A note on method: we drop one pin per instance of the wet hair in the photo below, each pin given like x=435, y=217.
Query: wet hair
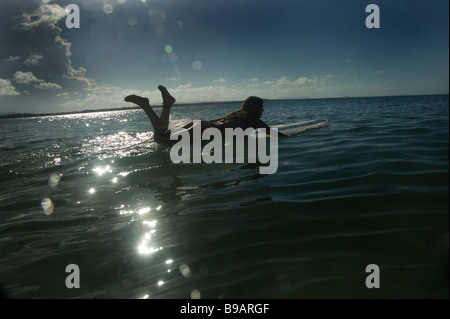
x=247, y=116
x=253, y=106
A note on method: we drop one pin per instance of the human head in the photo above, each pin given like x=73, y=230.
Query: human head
x=253, y=105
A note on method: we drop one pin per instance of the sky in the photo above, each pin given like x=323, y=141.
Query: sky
x=217, y=50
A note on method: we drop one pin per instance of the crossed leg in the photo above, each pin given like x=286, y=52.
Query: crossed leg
x=159, y=123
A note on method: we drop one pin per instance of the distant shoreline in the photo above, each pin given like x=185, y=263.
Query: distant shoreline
x=29, y=115
x=25, y=115
x=130, y=108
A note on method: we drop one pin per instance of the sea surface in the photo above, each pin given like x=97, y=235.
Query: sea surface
x=94, y=190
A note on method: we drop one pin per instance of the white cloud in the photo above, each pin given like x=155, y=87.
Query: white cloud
x=6, y=88
x=221, y=80
x=286, y=81
x=45, y=14
x=105, y=95
x=33, y=60
x=79, y=75
x=11, y=58
x=254, y=80
x=47, y=86
x=25, y=78
x=28, y=78
x=40, y=45
x=304, y=80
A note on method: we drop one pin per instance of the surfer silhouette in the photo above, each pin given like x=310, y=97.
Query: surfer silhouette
x=249, y=116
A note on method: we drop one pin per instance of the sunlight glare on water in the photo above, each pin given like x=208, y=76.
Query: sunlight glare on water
x=372, y=187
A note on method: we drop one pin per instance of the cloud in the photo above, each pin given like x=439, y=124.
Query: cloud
x=25, y=78
x=380, y=72
x=221, y=80
x=286, y=81
x=105, y=95
x=11, y=58
x=64, y=95
x=79, y=76
x=28, y=78
x=47, y=86
x=45, y=14
x=36, y=57
x=303, y=80
x=254, y=80
x=33, y=60
x=6, y=88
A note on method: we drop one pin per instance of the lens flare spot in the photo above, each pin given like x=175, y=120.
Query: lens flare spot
x=168, y=48
x=122, y=1
x=169, y=261
x=160, y=283
x=54, y=179
x=185, y=271
x=47, y=206
x=195, y=294
x=91, y=190
x=107, y=8
x=132, y=21
x=196, y=65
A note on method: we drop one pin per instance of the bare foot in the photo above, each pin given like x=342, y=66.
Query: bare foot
x=168, y=100
x=141, y=101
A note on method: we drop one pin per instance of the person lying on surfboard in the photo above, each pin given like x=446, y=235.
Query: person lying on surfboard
x=249, y=116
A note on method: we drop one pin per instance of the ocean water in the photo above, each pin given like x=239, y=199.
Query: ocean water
x=95, y=190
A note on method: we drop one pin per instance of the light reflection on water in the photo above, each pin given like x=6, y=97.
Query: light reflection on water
x=109, y=177
x=151, y=229
x=146, y=250
x=116, y=145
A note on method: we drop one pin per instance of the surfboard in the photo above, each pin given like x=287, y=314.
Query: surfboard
x=299, y=127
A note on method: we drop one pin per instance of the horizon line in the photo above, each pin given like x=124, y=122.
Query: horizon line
x=129, y=108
